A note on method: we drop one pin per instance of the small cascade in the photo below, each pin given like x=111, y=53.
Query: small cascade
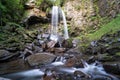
x=95, y=70
x=59, y=61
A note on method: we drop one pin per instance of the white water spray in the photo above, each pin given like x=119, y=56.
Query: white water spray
x=66, y=36
x=54, y=29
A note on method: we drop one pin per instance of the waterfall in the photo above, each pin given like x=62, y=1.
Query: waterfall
x=65, y=26
x=54, y=29
x=56, y=11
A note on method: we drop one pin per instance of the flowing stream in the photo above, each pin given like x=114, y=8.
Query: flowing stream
x=94, y=71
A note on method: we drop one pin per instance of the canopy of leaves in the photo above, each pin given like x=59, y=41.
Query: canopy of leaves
x=11, y=10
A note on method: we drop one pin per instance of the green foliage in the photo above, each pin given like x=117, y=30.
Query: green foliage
x=11, y=10
x=56, y=2
x=118, y=54
x=111, y=27
x=38, y=2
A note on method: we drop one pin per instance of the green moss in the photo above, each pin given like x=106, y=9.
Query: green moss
x=78, y=7
x=108, y=58
x=111, y=27
x=117, y=54
x=10, y=11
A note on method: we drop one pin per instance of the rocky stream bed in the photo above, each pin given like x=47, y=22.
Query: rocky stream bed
x=61, y=63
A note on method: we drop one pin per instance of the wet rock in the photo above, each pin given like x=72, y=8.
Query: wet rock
x=41, y=42
x=35, y=19
x=29, y=46
x=59, y=50
x=46, y=35
x=105, y=57
x=36, y=42
x=81, y=75
x=29, y=5
x=73, y=51
x=37, y=49
x=75, y=42
x=12, y=49
x=40, y=58
x=51, y=44
x=49, y=75
x=1, y=78
x=44, y=46
x=4, y=53
x=39, y=36
x=112, y=68
x=13, y=66
x=67, y=43
x=114, y=48
x=117, y=55
x=56, y=50
x=70, y=62
x=28, y=50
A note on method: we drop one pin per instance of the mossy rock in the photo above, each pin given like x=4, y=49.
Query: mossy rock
x=117, y=54
x=107, y=58
x=67, y=43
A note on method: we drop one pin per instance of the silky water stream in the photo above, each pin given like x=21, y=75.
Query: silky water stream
x=94, y=71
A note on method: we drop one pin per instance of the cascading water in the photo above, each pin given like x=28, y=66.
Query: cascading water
x=66, y=36
x=59, y=61
x=93, y=71
x=56, y=11
x=54, y=29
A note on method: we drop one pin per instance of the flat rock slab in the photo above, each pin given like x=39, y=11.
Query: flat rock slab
x=40, y=58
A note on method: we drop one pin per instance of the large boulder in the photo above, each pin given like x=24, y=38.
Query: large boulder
x=40, y=58
x=113, y=68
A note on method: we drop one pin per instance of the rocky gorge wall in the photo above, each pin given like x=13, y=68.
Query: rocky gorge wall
x=85, y=15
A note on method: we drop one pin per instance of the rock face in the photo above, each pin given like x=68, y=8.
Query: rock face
x=112, y=68
x=110, y=7
x=33, y=14
x=78, y=11
x=40, y=58
x=87, y=14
